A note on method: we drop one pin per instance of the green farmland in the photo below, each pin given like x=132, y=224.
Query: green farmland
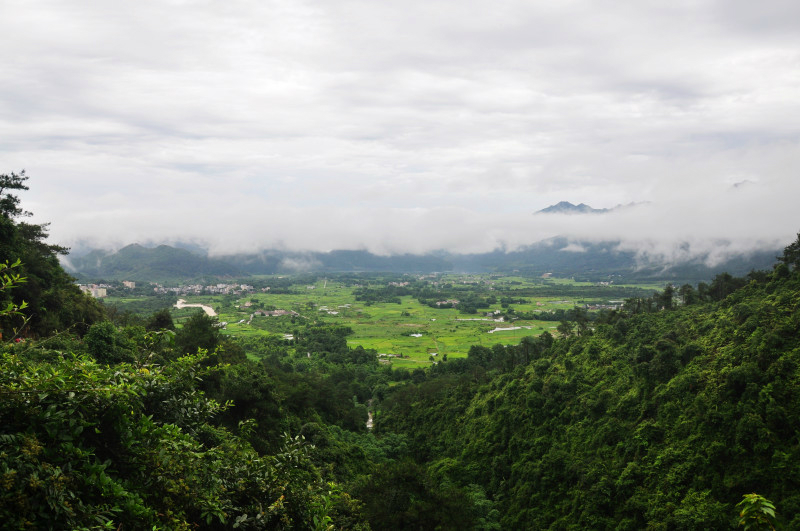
x=405, y=332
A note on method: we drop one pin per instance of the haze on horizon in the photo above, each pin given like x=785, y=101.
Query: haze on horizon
x=405, y=127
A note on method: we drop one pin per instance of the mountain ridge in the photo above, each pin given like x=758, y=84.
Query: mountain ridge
x=139, y=263
x=560, y=256
x=565, y=207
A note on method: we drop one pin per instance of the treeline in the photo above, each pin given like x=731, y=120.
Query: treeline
x=388, y=294
x=721, y=286
x=670, y=298
x=473, y=298
x=597, y=292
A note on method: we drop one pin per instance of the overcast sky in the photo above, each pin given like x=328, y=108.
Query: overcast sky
x=404, y=126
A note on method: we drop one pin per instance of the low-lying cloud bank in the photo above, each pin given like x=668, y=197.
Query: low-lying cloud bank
x=696, y=226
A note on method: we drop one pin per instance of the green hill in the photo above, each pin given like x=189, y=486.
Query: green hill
x=658, y=420
x=591, y=261
x=135, y=262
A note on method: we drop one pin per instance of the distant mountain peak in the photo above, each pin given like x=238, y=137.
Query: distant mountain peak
x=565, y=207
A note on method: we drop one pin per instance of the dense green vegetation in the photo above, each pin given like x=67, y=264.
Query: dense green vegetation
x=665, y=414
x=656, y=419
x=54, y=301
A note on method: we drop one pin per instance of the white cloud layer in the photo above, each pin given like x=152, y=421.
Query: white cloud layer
x=405, y=127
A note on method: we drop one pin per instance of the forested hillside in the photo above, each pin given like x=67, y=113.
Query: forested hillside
x=560, y=256
x=661, y=415
x=134, y=262
x=657, y=420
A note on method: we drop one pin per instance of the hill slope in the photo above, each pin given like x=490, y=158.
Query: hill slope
x=658, y=420
x=135, y=262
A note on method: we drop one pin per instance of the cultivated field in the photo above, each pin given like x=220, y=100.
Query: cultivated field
x=410, y=334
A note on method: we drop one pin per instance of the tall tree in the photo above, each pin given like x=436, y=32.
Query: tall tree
x=791, y=254
x=9, y=203
x=54, y=301
x=200, y=331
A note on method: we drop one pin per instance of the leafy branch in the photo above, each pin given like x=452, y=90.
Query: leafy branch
x=9, y=279
x=757, y=512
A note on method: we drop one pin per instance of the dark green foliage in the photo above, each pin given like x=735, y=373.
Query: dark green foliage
x=199, y=332
x=254, y=396
x=160, y=320
x=723, y=285
x=106, y=344
x=139, y=310
x=86, y=447
x=791, y=254
x=323, y=340
x=9, y=203
x=402, y=495
x=660, y=421
x=390, y=294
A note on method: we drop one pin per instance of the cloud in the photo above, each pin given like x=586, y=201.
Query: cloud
x=405, y=128
x=574, y=248
x=299, y=264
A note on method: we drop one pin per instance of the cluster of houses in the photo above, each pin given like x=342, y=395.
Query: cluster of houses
x=98, y=291
x=274, y=313
x=199, y=289
x=384, y=357
x=604, y=306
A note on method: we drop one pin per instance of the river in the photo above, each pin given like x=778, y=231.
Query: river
x=208, y=309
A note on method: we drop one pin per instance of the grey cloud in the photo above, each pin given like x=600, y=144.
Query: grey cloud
x=404, y=127
x=299, y=264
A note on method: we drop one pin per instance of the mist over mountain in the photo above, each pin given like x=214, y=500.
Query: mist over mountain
x=560, y=256
x=595, y=260
x=565, y=207
x=139, y=263
x=590, y=247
